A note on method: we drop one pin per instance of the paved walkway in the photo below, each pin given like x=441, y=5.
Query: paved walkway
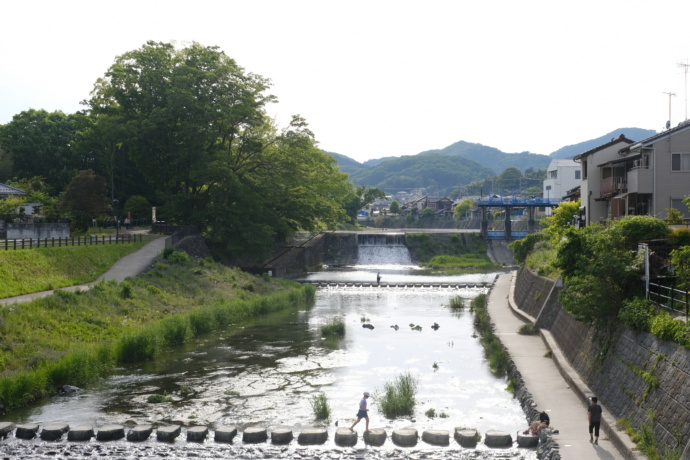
x=130, y=265
x=555, y=387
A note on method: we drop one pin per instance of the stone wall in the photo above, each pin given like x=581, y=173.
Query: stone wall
x=37, y=231
x=637, y=376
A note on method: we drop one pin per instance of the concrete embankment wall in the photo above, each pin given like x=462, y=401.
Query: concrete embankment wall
x=638, y=375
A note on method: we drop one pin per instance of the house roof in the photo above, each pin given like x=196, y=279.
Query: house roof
x=7, y=190
x=682, y=126
x=613, y=141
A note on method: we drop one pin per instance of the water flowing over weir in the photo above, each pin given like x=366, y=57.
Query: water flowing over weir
x=266, y=373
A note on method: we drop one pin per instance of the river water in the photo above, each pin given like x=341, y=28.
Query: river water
x=266, y=373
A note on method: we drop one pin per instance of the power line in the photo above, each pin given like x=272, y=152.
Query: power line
x=685, y=66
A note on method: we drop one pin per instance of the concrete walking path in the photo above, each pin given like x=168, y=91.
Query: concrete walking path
x=555, y=387
x=130, y=265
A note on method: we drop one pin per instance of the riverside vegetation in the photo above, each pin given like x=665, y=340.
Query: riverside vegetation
x=456, y=254
x=77, y=337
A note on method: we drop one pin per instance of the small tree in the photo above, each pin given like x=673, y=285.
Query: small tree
x=86, y=198
x=395, y=207
x=461, y=208
x=138, y=206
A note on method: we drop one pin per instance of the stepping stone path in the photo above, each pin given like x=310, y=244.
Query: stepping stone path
x=254, y=435
x=80, y=433
x=345, y=437
x=405, y=437
x=436, y=437
x=110, y=433
x=54, y=432
x=197, y=434
x=527, y=440
x=168, y=433
x=375, y=437
x=495, y=438
x=311, y=436
x=282, y=436
x=140, y=433
x=6, y=428
x=225, y=434
x=466, y=438
x=26, y=431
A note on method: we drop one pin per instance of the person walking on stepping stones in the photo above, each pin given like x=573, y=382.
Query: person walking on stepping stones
x=363, y=412
x=594, y=418
x=378, y=278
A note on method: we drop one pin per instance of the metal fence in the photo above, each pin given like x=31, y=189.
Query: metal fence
x=668, y=296
x=32, y=243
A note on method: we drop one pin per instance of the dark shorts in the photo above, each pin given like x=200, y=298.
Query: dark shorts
x=362, y=414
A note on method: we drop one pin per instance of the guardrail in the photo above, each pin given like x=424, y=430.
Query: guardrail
x=32, y=243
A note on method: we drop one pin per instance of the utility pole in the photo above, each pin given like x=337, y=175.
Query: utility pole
x=670, y=94
x=685, y=66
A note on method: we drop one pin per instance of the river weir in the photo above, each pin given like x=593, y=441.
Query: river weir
x=263, y=376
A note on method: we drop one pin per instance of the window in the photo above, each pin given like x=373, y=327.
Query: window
x=577, y=174
x=680, y=162
x=553, y=174
x=584, y=169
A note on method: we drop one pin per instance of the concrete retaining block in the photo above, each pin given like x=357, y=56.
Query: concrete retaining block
x=254, y=434
x=110, y=433
x=345, y=437
x=495, y=438
x=54, y=432
x=282, y=436
x=375, y=437
x=225, y=434
x=197, y=434
x=405, y=437
x=6, y=428
x=313, y=436
x=140, y=433
x=466, y=438
x=26, y=431
x=436, y=437
x=168, y=433
x=527, y=440
x=80, y=433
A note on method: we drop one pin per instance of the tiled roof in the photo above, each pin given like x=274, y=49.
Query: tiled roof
x=613, y=141
x=7, y=190
x=682, y=126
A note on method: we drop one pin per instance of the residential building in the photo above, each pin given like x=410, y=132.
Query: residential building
x=7, y=191
x=561, y=176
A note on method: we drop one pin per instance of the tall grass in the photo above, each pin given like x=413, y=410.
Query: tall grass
x=78, y=337
x=457, y=303
x=398, y=397
x=321, y=407
x=335, y=328
x=494, y=350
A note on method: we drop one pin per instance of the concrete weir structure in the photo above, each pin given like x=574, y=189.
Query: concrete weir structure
x=310, y=436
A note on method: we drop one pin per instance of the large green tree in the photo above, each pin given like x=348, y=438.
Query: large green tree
x=361, y=197
x=86, y=198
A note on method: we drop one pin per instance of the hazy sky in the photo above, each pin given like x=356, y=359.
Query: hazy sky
x=384, y=78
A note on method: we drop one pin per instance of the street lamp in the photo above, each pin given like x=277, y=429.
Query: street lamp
x=116, y=208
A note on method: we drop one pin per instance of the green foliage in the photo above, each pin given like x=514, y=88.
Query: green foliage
x=395, y=207
x=321, y=407
x=398, y=397
x=431, y=413
x=139, y=206
x=522, y=248
x=680, y=237
x=168, y=251
x=494, y=350
x=637, y=313
x=666, y=328
x=335, y=328
x=561, y=219
x=673, y=216
x=360, y=198
x=179, y=258
x=449, y=253
x=528, y=329
x=463, y=207
x=457, y=303
x=680, y=258
x=86, y=198
x=158, y=399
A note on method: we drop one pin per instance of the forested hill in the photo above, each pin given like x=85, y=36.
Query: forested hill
x=569, y=151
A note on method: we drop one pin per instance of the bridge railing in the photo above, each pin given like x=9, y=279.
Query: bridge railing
x=508, y=201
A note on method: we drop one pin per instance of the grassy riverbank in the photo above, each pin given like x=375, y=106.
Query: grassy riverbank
x=24, y=271
x=450, y=254
x=74, y=338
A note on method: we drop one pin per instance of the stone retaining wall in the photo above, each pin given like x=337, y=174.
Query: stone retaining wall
x=639, y=374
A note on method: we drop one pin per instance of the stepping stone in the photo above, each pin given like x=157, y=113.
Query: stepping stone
x=495, y=438
x=375, y=437
x=254, y=434
x=80, y=433
x=436, y=437
x=282, y=436
x=311, y=436
x=405, y=437
x=168, y=433
x=345, y=437
x=6, y=428
x=26, y=431
x=54, y=432
x=140, y=433
x=466, y=438
x=110, y=433
x=197, y=434
x=527, y=440
x=225, y=434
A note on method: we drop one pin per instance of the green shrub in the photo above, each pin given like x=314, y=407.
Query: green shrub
x=179, y=258
x=637, y=314
x=157, y=399
x=167, y=252
x=457, y=303
x=322, y=410
x=126, y=290
x=522, y=248
x=680, y=237
x=431, y=413
x=336, y=328
x=398, y=398
x=528, y=329
x=666, y=328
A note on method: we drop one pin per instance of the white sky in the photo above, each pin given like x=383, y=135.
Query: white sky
x=384, y=78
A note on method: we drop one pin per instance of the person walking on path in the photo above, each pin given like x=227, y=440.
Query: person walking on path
x=363, y=412
x=594, y=417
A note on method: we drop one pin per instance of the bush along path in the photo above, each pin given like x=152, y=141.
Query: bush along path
x=77, y=337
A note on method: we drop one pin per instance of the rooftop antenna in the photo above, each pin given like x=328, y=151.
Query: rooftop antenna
x=685, y=66
x=670, y=94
